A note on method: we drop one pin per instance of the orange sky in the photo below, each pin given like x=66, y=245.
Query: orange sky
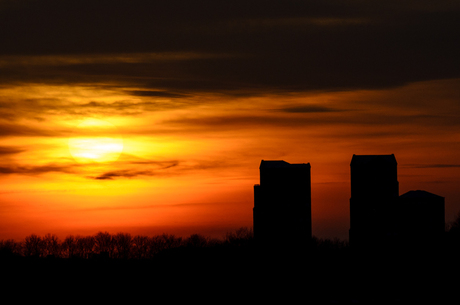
x=200, y=99
x=191, y=169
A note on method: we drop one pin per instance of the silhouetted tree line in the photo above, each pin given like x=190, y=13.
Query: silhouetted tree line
x=328, y=272
x=117, y=246
x=127, y=246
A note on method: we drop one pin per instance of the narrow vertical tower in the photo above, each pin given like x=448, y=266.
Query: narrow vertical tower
x=374, y=192
x=282, y=203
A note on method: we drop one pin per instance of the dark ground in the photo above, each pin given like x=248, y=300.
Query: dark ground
x=243, y=274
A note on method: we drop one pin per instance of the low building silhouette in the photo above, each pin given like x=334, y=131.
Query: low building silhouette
x=422, y=216
x=379, y=216
x=282, y=203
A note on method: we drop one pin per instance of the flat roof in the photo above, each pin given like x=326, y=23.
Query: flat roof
x=281, y=164
x=366, y=159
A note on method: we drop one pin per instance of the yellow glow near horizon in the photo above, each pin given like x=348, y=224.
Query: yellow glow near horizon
x=96, y=141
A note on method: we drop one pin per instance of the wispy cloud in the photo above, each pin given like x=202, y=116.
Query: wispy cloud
x=111, y=175
x=10, y=150
x=431, y=165
x=151, y=93
x=7, y=130
x=36, y=170
x=305, y=119
x=147, y=168
x=40, y=109
x=309, y=109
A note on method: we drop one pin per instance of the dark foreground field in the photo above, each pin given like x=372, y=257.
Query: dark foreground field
x=326, y=272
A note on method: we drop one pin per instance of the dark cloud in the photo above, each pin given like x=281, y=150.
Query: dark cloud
x=127, y=168
x=9, y=150
x=149, y=168
x=123, y=174
x=304, y=119
x=252, y=46
x=124, y=107
x=432, y=165
x=135, y=167
x=309, y=109
x=7, y=130
x=156, y=94
x=35, y=170
x=158, y=164
x=35, y=109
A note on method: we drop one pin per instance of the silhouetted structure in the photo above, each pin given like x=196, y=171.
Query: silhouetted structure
x=378, y=215
x=374, y=190
x=282, y=203
x=422, y=216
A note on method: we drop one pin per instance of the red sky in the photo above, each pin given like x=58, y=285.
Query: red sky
x=200, y=96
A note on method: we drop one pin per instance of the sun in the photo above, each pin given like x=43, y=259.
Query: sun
x=95, y=141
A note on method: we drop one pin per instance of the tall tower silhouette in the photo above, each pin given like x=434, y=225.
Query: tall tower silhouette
x=282, y=203
x=374, y=192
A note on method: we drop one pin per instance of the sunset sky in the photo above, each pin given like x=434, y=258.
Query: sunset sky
x=190, y=96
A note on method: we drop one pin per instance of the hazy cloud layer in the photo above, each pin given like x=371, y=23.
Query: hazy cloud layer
x=127, y=166
x=35, y=170
x=363, y=118
x=238, y=46
x=7, y=130
x=9, y=150
x=39, y=109
x=123, y=170
x=156, y=94
x=309, y=109
x=123, y=174
x=433, y=165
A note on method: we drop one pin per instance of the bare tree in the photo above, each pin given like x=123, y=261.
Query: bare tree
x=123, y=244
x=89, y=244
x=50, y=245
x=32, y=245
x=140, y=246
x=79, y=250
x=69, y=246
x=242, y=236
x=196, y=241
x=163, y=242
x=104, y=243
x=84, y=246
x=9, y=247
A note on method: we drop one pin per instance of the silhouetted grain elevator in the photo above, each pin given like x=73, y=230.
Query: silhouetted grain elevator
x=282, y=203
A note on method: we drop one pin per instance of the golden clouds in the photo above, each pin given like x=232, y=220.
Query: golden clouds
x=102, y=145
x=179, y=149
